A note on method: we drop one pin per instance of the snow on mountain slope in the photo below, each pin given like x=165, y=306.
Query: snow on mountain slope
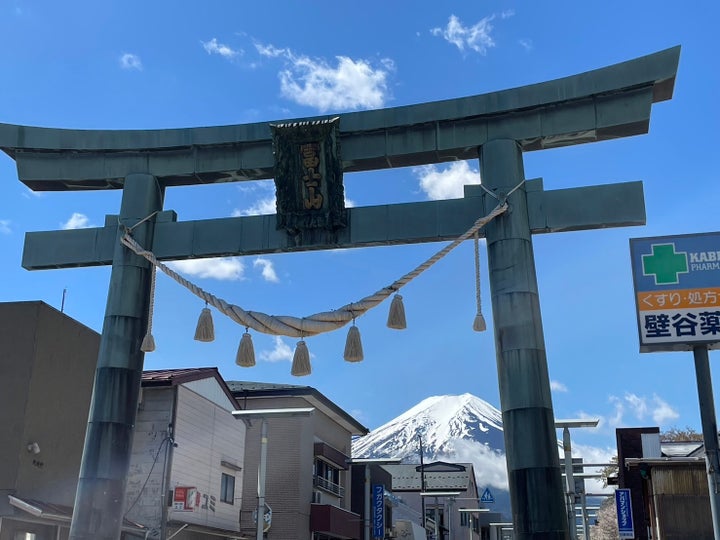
x=440, y=421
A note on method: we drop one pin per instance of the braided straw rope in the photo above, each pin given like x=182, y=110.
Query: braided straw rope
x=319, y=323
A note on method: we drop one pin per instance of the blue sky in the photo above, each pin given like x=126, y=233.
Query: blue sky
x=162, y=64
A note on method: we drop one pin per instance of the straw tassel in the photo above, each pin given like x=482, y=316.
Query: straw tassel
x=301, y=360
x=205, y=330
x=246, y=352
x=148, y=342
x=353, y=345
x=396, y=317
x=479, y=322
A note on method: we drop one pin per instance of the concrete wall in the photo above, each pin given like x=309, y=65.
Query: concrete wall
x=145, y=496
x=47, y=361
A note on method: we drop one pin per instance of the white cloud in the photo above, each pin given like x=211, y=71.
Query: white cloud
x=260, y=207
x=214, y=47
x=526, y=44
x=224, y=268
x=489, y=465
x=592, y=454
x=281, y=352
x=557, y=386
x=617, y=417
x=642, y=408
x=476, y=37
x=638, y=405
x=29, y=193
x=131, y=61
x=446, y=183
x=267, y=269
x=271, y=51
x=76, y=221
x=350, y=84
x=5, y=226
x=662, y=412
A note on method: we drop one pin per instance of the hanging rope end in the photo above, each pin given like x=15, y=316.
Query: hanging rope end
x=353, y=346
x=148, y=343
x=479, y=323
x=246, y=352
x=301, y=360
x=396, y=317
x=205, y=330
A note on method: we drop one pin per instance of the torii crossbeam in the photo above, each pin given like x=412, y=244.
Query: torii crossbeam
x=497, y=128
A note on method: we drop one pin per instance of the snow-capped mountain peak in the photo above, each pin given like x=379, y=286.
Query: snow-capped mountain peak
x=439, y=421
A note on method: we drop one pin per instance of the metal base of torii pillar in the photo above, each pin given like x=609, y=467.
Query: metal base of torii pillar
x=534, y=477
x=108, y=441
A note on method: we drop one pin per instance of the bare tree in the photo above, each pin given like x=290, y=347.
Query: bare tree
x=680, y=435
x=610, y=470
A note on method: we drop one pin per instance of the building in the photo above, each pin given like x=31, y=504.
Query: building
x=668, y=484
x=47, y=361
x=308, y=482
x=185, y=477
x=186, y=469
x=443, y=490
x=193, y=468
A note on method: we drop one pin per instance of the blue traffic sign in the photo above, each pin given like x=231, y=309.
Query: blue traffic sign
x=487, y=497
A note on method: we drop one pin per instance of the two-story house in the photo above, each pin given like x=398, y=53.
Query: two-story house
x=308, y=480
x=185, y=477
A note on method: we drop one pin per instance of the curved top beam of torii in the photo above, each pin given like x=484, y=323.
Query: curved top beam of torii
x=603, y=104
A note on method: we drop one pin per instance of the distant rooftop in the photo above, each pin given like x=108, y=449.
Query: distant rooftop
x=249, y=389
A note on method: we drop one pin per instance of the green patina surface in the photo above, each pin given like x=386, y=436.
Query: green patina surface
x=497, y=128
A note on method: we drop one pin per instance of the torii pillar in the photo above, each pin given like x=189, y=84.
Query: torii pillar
x=497, y=128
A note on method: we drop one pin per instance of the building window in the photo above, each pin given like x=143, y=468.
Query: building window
x=227, y=489
x=327, y=477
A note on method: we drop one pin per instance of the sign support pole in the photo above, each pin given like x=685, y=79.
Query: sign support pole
x=710, y=431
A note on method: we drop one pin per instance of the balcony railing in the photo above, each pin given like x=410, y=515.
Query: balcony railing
x=327, y=485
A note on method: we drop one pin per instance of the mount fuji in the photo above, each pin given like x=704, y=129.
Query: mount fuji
x=461, y=429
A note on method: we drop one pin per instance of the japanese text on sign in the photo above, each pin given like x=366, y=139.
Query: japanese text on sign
x=310, y=154
x=677, y=291
x=378, y=511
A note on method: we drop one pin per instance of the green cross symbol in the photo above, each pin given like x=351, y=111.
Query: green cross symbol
x=664, y=264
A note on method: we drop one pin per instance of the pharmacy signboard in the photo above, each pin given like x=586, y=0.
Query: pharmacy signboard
x=677, y=291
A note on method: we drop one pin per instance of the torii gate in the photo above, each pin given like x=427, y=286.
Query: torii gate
x=496, y=128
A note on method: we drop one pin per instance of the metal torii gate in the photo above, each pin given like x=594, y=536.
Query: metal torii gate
x=497, y=127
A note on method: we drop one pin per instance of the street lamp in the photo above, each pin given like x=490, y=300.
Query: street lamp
x=470, y=518
x=437, y=494
x=264, y=414
x=569, y=481
x=367, y=462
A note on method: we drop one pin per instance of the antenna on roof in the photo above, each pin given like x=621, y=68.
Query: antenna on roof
x=62, y=304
